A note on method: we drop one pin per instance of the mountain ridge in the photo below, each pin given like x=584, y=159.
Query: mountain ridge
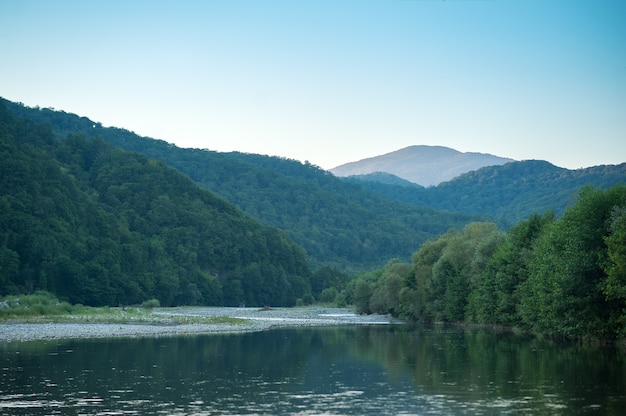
x=421, y=164
x=340, y=225
x=355, y=227
x=98, y=225
x=507, y=193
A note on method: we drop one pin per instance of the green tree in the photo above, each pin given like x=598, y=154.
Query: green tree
x=328, y=295
x=564, y=291
x=362, y=295
x=615, y=287
x=385, y=297
x=9, y=268
x=496, y=298
x=422, y=297
x=460, y=265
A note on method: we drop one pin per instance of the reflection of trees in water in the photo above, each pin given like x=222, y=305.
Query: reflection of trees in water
x=484, y=364
x=465, y=365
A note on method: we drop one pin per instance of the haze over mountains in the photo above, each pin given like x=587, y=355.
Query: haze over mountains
x=423, y=165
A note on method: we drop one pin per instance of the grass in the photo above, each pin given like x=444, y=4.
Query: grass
x=45, y=307
x=35, y=305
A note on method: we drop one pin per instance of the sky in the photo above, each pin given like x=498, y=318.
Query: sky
x=331, y=82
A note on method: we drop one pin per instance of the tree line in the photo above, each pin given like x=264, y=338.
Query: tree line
x=564, y=276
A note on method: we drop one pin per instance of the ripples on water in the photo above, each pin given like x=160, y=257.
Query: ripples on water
x=346, y=402
x=331, y=371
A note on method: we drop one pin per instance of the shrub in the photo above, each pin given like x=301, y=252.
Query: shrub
x=149, y=304
x=328, y=295
x=308, y=299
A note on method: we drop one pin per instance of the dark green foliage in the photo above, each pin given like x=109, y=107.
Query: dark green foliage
x=101, y=226
x=381, y=178
x=563, y=277
x=150, y=304
x=507, y=193
x=496, y=297
x=564, y=291
x=615, y=287
x=307, y=299
x=378, y=292
x=338, y=224
x=328, y=295
x=326, y=278
x=363, y=291
x=450, y=270
x=386, y=291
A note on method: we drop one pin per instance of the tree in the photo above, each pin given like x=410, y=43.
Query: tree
x=496, y=297
x=422, y=299
x=362, y=296
x=461, y=265
x=564, y=291
x=386, y=290
x=446, y=271
x=615, y=285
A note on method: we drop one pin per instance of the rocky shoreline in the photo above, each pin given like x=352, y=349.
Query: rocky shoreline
x=167, y=322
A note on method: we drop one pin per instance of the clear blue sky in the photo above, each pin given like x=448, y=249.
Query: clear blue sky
x=332, y=81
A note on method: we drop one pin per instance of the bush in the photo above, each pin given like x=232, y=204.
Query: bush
x=328, y=295
x=340, y=300
x=38, y=304
x=152, y=303
x=308, y=299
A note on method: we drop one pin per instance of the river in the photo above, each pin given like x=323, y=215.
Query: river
x=331, y=370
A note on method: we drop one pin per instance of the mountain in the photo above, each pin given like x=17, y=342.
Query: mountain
x=423, y=165
x=383, y=178
x=99, y=225
x=340, y=225
x=351, y=224
x=508, y=193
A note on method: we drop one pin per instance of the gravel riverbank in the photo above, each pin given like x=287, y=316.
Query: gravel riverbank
x=171, y=321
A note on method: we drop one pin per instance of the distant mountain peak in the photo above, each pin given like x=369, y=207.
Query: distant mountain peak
x=422, y=164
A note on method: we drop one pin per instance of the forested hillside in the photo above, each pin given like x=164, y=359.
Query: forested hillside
x=339, y=224
x=98, y=225
x=509, y=193
x=564, y=276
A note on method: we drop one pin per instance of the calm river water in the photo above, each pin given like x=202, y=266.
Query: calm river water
x=383, y=369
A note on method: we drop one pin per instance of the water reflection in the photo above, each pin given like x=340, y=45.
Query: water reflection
x=342, y=370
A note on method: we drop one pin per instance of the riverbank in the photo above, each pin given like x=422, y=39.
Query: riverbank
x=181, y=321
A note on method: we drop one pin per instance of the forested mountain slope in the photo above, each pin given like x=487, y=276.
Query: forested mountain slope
x=338, y=224
x=509, y=193
x=382, y=177
x=102, y=226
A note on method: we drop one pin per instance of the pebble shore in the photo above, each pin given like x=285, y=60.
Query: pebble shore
x=255, y=320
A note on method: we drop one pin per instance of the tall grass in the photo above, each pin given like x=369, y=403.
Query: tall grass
x=38, y=304
x=45, y=307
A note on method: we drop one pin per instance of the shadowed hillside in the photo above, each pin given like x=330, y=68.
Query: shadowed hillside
x=338, y=224
x=99, y=225
x=509, y=193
